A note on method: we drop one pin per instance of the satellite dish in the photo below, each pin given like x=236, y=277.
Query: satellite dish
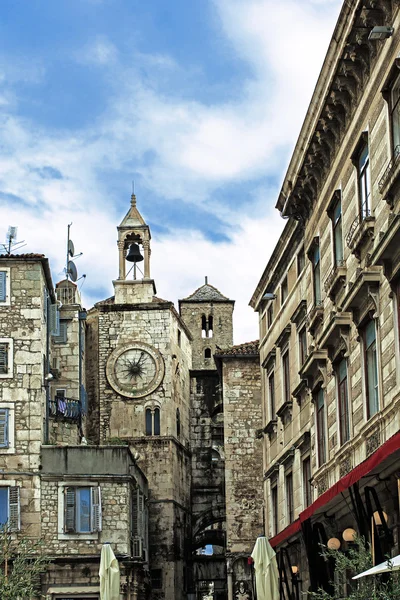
x=71, y=248
x=72, y=271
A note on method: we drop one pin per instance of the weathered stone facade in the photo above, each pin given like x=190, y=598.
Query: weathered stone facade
x=328, y=303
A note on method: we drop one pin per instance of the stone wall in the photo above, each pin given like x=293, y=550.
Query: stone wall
x=222, y=334
x=243, y=452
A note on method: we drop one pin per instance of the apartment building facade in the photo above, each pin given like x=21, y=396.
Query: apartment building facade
x=328, y=303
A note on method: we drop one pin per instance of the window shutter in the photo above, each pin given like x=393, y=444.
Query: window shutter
x=69, y=509
x=14, y=519
x=54, y=320
x=96, y=508
x=141, y=515
x=83, y=399
x=135, y=507
x=3, y=358
x=61, y=338
x=3, y=289
x=3, y=427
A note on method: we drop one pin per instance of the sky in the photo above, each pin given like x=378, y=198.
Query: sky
x=198, y=102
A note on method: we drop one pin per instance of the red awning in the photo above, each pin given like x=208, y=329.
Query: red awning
x=390, y=446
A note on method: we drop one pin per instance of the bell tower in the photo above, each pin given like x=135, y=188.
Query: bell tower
x=134, y=284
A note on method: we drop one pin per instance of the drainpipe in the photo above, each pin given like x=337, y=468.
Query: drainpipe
x=81, y=317
x=46, y=380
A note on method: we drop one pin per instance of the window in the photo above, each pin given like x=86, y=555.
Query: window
x=178, y=422
x=289, y=498
x=5, y=287
x=156, y=579
x=62, y=337
x=302, y=346
x=6, y=358
x=207, y=324
x=307, y=490
x=363, y=173
x=270, y=315
x=207, y=353
x=271, y=394
x=315, y=258
x=10, y=508
x=301, y=261
x=152, y=421
x=395, y=112
x=371, y=368
x=321, y=426
x=82, y=509
x=343, y=401
x=274, y=509
x=179, y=338
x=286, y=376
x=337, y=233
x=210, y=326
x=284, y=290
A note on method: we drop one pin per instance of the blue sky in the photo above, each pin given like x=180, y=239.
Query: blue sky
x=200, y=103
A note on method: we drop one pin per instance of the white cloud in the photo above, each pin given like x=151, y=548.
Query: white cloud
x=196, y=149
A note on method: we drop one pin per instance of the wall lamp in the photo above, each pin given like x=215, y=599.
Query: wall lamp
x=349, y=534
x=380, y=33
x=295, y=569
x=377, y=518
x=333, y=543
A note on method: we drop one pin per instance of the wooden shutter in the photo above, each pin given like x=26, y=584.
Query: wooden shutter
x=4, y=428
x=135, y=507
x=14, y=518
x=96, y=508
x=69, y=509
x=61, y=338
x=3, y=289
x=54, y=320
x=4, y=358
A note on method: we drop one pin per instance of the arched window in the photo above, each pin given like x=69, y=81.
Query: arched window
x=178, y=422
x=207, y=353
x=210, y=326
x=153, y=421
x=203, y=326
x=149, y=422
x=156, y=421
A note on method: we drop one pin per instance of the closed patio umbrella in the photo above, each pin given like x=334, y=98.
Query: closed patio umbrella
x=392, y=564
x=109, y=574
x=266, y=568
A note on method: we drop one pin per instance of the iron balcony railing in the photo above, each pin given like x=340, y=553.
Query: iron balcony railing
x=68, y=409
x=390, y=169
x=365, y=212
x=332, y=275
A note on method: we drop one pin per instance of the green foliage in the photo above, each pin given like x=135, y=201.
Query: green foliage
x=347, y=564
x=21, y=564
x=116, y=441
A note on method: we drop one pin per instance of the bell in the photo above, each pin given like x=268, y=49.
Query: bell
x=134, y=254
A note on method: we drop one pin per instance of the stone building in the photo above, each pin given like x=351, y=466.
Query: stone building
x=328, y=303
x=113, y=429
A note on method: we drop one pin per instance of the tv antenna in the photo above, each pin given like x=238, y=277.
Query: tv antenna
x=71, y=272
x=11, y=241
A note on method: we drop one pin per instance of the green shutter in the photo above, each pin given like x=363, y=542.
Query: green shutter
x=61, y=338
x=54, y=320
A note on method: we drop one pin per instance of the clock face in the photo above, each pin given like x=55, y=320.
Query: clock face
x=135, y=370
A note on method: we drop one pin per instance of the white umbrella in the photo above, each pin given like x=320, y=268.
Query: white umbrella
x=266, y=568
x=392, y=564
x=109, y=574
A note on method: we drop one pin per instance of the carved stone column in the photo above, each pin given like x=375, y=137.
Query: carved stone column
x=230, y=579
x=121, y=252
x=146, y=249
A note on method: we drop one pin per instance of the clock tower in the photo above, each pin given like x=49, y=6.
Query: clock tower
x=139, y=358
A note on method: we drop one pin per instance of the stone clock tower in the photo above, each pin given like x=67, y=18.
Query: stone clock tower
x=139, y=357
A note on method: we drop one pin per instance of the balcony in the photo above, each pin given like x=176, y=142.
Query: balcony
x=315, y=317
x=390, y=179
x=66, y=409
x=336, y=280
x=361, y=232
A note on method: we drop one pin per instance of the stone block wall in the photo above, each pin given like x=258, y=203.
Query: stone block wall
x=243, y=452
